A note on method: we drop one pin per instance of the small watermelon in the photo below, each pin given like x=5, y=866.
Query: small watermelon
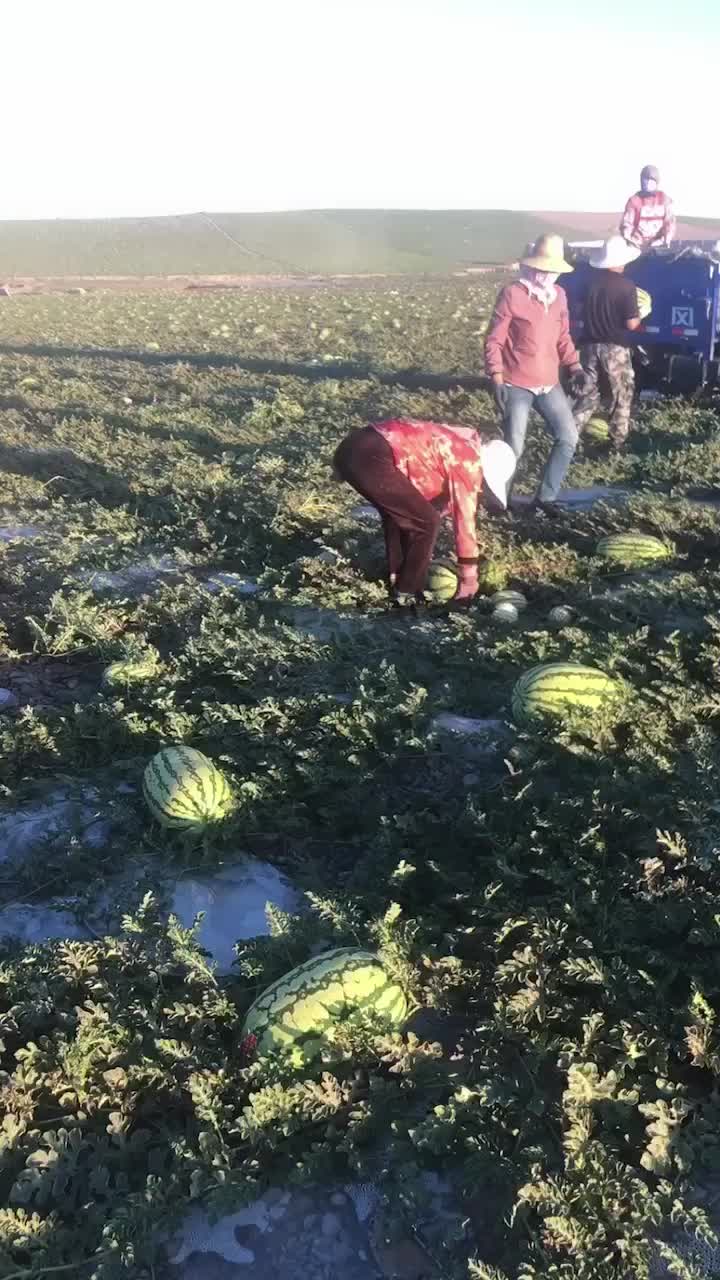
x=630, y=549
x=554, y=688
x=184, y=790
x=129, y=671
x=515, y=598
x=505, y=613
x=491, y=577
x=644, y=303
x=561, y=616
x=442, y=580
x=297, y=1010
x=596, y=431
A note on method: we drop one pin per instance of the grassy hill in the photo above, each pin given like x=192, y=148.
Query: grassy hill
x=312, y=241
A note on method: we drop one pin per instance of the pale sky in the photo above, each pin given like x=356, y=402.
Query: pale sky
x=121, y=107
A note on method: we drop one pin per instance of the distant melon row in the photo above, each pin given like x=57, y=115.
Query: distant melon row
x=627, y=550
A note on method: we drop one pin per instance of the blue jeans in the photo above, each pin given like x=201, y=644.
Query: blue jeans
x=554, y=409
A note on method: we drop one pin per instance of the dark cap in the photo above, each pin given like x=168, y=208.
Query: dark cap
x=650, y=171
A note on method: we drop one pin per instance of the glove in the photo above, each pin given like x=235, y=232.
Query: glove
x=468, y=575
x=500, y=394
x=576, y=381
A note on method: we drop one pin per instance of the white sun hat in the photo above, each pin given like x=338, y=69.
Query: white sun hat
x=616, y=252
x=498, y=466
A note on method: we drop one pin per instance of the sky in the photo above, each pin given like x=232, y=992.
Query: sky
x=120, y=108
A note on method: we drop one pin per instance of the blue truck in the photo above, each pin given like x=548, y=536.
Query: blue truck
x=677, y=348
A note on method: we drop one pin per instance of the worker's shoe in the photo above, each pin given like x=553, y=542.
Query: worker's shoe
x=552, y=510
x=408, y=601
x=500, y=513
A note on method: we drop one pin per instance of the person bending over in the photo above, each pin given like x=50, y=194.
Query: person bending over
x=414, y=473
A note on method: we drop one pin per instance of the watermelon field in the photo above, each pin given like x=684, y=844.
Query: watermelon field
x=546, y=893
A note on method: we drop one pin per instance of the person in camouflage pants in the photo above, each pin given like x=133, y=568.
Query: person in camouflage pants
x=609, y=381
x=611, y=315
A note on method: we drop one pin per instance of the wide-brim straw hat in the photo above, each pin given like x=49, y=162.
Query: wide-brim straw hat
x=548, y=254
x=616, y=252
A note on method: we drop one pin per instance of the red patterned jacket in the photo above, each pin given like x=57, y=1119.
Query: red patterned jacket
x=648, y=219
x=443, y=463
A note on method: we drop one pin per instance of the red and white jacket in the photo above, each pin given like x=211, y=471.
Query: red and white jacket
x=443, y=463
x=648, y=219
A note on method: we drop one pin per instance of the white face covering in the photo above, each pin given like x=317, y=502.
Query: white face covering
x=649, y=185
x=541, y=279
x=546, y=279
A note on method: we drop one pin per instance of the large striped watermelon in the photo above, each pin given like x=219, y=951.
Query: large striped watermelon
x=184, y=790
x=628, y=549
x=442, y=580
x=596, y=431
x=298, y=1009
x=555, y=688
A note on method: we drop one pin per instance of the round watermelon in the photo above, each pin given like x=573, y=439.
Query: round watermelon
x=129, y=671
x=442, y=580
x=298, y=1010
x=505, y=613
x=184, y=790
x=561, y=616
x=630, y=549
x=515, y=598
x=491, y=577
x=555, y=688
x=596, y=431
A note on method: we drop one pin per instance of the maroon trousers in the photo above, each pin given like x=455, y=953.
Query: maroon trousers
x=365, y=460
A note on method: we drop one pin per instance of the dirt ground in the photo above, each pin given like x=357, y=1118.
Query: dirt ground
x=181, y=283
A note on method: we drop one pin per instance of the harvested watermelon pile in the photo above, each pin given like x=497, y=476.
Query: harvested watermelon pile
x=523, y=990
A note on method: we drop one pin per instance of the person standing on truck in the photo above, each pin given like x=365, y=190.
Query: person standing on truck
x=611, y=315
x=648, y=221
x=527, y=343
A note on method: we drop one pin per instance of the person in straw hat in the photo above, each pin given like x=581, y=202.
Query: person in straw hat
x=611, y=316
x=527, y=344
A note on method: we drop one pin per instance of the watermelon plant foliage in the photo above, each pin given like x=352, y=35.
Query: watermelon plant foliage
x=552, y=911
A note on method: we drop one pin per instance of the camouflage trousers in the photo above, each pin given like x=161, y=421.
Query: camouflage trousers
x=609, y=382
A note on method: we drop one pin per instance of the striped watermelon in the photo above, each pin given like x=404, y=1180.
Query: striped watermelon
x=515, y=598
x=629, y=549
x=596, y=431
x=442, y=581
x=184, y=790
x=644, y=303
x=505, y=613
x=554, y=688
x=297, y=1010
x=129, y=671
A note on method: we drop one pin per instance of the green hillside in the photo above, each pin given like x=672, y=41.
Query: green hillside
x=322, y=241
x=311, y=241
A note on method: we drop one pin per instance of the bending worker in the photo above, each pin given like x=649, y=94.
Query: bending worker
x=414, y=472
x=611, y=315
x=648, y=221
x=527, y=343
